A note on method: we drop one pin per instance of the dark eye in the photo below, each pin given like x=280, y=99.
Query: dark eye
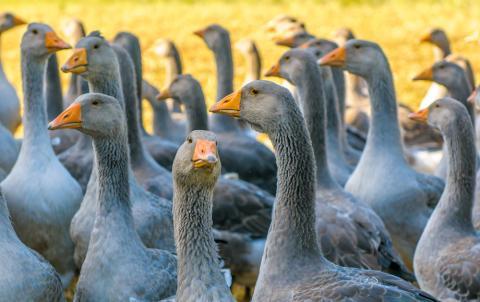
x=441, y=66
x=95, y=46
x=189, y=139
x=34, y=31
x=318, y=54
x=356, y=46
x=95, y=103
x=437, y=105
x=287, y=58
x=254, y=91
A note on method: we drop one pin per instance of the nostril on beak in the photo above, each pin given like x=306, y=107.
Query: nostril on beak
x=211, y=159
x=66, y=115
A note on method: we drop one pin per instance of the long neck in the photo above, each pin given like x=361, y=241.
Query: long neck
x=455, y=206
x=339, y=80
x=53, y=88
x=196, y=249
x=173, y=66
x=2, y=73
x=36, y=136
x=224, y=64
x=312, y=96
x=162, y=121
x=442, y=51
x=113, y=187
x=197, y=111
x=384, y=130
x=292, y=230
x=254, y=66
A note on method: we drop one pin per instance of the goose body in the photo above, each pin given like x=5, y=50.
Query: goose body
x=448, y=252
x=293, y=268
x=403, y=198
x=118, y=267
x=42, y=209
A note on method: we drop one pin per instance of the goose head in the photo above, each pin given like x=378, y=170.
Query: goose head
x=95, y=114
x=9, y=21
x=295, y=39
x=293, y=65
x=319, y=47
x=360, y=57
x=213, y=35
x=92, y=56
x=197, y=160
x=443, y=72
x=40, y=41
x=442, y=114
x=182, y=89
x=437, y=37
x=260, y=103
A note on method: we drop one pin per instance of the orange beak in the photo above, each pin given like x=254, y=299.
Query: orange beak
x=53, y=43
x=17, y=21
x=229, y=105
x=304, y=45
x=200, y=33
x=205, y=154
x=289, y=42
x=472, y=97
x=274, y=71
x=334, y=58
x=77, y=63
x=426, y=38
x=70, y=118
x=426, y=75
x=165, y=94
x=419, y=116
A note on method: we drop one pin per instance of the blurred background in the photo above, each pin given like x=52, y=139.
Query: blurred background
x=396, y=25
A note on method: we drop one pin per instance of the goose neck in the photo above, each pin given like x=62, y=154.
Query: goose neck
x=36, y=136
x=196, y=249
x=197, y=111
x=253, y=66
x=460, y=90
x=2, y=73
x=455, y=206
x=53, y=88
x=339, y=81
x=173, y=67
x=384, y=132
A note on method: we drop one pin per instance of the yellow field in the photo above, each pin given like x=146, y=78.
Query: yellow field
x=397, y=26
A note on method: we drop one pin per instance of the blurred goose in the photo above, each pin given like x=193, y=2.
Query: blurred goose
x=293, y=267
x=448, y=252
x=9, y=106
x=402, y=197
x=253, y=61
x=42, y=209
x=98, y=62
x=195, y=171
x=118, y=266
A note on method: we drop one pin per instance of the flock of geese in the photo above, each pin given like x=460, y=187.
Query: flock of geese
x=342, y=210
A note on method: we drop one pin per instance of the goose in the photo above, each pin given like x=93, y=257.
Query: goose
x=253, y=61
x=442, y=50
x=163, y=151
x=118, y=266
x=98, y=62
x=293, y=267
x=338, y=165
x=167, y=50
x=42, y=209
x=10, y=106
x=338, y=213
x=74, y=30
x=284, y=25
x=402, y=197
x=241, y=210
x=196, y=169
x=26, y=276
x=250, y=165
x=217, y=40
x=335, y=92
x=61, y=140
x=164, y=124
x=448, y=252
x=453, y=78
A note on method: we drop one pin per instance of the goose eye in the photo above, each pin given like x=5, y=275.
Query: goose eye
x=254, y=91
x=318, y=54
x=189, y=140
x=356, y=46
x=437, y=105
x=95, y=103
x=95, y=46
x=287, y=58
x=34, y=31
